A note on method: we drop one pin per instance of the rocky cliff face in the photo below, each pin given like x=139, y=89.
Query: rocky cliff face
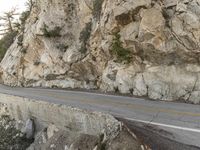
x=143, y=47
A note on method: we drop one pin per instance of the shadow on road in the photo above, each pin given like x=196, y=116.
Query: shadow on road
x=156, y=138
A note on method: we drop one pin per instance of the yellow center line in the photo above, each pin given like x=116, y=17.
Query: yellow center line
x=128, y=105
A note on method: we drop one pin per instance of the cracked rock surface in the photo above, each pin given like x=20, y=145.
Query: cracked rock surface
x=67, y=140
x=142, y=47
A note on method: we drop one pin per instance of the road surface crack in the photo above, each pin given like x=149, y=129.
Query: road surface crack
x=154, y=117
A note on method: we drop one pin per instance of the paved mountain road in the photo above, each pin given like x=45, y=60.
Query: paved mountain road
x=181, y=120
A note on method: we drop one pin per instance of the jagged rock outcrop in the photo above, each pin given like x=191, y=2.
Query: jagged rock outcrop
x=143, y=47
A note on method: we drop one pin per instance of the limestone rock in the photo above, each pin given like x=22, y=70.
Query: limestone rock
x=161, y=37
x=51, y=131
x=29, y=129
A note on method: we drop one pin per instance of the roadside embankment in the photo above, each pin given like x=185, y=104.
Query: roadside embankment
x=60, y=127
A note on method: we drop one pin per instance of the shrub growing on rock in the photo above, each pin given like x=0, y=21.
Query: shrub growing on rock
x=24, y=16
x=121, y=53
x=6, y=42
x=84, y=36
x=51, y=33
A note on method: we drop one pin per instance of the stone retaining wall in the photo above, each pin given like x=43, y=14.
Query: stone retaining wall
x=73, y=119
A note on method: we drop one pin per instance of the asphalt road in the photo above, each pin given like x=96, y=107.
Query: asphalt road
x=181, y=122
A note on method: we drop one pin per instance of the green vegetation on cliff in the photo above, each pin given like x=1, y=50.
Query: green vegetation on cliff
x=119, y=51
x=6, y=42
x=10, y=27
x=84, y=36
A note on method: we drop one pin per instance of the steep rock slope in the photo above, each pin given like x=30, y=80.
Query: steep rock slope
x=143, y=47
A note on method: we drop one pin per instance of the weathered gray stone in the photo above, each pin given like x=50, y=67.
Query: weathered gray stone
x=163, y=36
x=51, y=130
x=29, y=129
